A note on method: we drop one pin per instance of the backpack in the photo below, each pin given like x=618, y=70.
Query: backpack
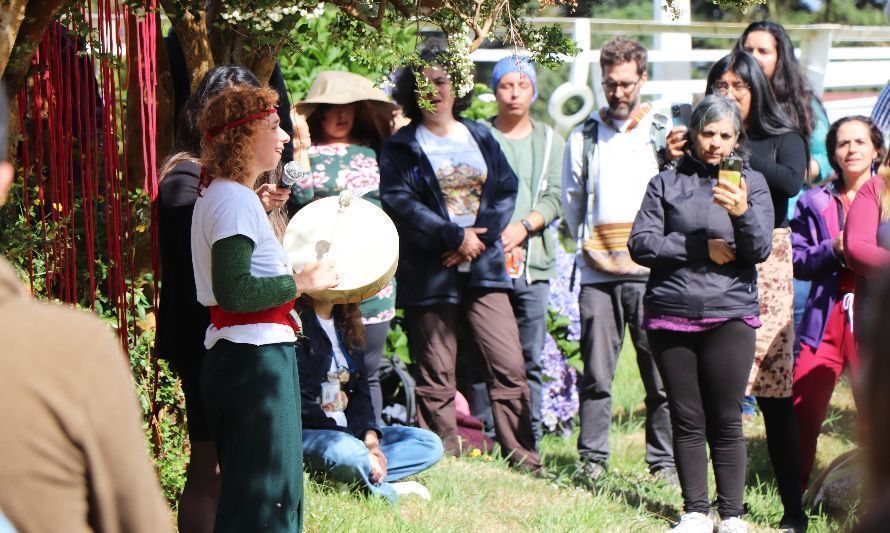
x=397, y=387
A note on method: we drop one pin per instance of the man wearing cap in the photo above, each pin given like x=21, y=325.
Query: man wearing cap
x=535, y=152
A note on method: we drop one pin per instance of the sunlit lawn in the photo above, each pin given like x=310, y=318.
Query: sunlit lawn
x=482, y=494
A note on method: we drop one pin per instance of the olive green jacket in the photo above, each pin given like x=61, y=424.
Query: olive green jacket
x=545, y=177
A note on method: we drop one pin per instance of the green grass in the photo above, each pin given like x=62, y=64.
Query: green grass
x=483, y=494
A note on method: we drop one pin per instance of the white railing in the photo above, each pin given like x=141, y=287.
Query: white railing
x=828, y=67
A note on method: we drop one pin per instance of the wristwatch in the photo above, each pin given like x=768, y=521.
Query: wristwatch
x=527, y=225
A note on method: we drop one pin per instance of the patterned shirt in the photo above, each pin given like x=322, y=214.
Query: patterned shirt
x=336, y=167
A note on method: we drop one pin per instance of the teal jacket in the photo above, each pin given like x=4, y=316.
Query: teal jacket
x=545, y=177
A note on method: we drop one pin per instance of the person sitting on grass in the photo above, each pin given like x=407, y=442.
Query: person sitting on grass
x=341, y=439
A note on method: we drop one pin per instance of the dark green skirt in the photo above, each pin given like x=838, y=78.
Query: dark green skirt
x=252, y=399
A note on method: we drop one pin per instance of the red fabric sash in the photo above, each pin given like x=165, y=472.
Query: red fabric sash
x=274, y=315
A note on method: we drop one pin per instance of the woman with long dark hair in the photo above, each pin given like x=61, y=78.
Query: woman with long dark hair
x=826, y=332
x=777, y=150
x=702, y=236
x=451, y=192
x=341, y=438
x=341, y=125
x=182, y=320
x=771, y=46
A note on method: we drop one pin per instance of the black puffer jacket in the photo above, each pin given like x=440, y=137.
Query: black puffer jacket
x=670, y=236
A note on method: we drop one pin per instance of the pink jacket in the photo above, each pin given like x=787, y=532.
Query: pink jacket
x=866, y=239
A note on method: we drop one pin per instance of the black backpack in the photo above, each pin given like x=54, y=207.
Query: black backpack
x=397, y=386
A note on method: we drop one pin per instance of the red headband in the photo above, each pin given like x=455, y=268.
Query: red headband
x=213, y=132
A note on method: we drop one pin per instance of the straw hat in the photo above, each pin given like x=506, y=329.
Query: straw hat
x=336, y=87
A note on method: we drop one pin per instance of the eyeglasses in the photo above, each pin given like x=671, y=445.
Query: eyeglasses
x=626, y=86
x=737, y=87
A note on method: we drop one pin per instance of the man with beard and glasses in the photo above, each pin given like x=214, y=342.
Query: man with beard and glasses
x=609, y=160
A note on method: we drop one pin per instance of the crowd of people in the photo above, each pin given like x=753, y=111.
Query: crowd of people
x=730, y=246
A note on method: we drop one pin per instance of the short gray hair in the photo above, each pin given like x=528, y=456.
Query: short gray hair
x=711, y=109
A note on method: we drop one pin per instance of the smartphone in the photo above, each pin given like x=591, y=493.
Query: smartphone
x=731, y=170
x=680, y=114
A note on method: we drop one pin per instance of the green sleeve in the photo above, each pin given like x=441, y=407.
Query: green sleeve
x=550, y=202
x=235, y=289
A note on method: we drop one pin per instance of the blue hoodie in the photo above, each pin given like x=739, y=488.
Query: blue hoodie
x=410, y=194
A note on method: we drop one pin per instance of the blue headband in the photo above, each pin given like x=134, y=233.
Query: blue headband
x=509, y=64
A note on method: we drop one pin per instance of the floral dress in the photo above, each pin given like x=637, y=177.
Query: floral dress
x=336, y=167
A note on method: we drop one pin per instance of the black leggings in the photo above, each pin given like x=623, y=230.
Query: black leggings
x=705, y=374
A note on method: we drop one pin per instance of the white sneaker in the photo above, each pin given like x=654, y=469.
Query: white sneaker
x=732, y=525
x=404, y=488
x=694, y=523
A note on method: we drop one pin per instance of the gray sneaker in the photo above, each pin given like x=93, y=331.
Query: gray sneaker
x=668, y=476
x=587, y=473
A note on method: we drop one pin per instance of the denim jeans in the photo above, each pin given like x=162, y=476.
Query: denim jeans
x=342, y=457
x=530, y=303
x=801, y=291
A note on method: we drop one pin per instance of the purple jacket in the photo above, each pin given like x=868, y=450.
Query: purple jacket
x=818, y=218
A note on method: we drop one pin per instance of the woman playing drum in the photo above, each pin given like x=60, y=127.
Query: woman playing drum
x=249, y=379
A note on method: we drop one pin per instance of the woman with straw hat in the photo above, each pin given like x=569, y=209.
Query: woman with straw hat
x=340, y=127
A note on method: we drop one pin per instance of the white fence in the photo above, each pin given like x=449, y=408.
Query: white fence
x=857, y=65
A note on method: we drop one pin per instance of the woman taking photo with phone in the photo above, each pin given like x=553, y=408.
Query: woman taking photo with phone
x=702, y=236
x=779, y=152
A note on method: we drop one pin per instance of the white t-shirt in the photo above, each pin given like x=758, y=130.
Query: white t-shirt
x=225, y=209
x=337, y=362
x=461, y=171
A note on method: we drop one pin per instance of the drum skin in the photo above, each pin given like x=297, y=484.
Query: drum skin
x=360, y=239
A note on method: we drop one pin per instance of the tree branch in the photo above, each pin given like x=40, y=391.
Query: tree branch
x=38, y=16
x=348, y=7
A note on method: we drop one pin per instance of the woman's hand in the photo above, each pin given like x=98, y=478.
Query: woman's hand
x=720, y=251
x=514, y=235
x=302, y=140
x=376, y=456
x=272, y=197
x=837, y=245
x=732, y=198
x=469, y=249
x=676, y=144
x=316, y=276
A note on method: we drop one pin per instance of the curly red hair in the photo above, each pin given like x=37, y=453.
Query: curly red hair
x=229, y=152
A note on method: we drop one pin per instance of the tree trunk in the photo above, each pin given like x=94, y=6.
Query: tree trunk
x=191, y=31
x=15, y=64
x=38, y=17
x=11, y=19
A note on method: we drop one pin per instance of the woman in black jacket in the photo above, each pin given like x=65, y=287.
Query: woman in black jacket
x=702, y=238
x=450, y=191
x=341, y=438
x=779, y=151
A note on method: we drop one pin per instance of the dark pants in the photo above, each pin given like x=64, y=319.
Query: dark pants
x=432, y=337
x=606, y=309
x=375, y=340
x=783, y=444
x=252, y=397
x=530, y=303
x=705, y=374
